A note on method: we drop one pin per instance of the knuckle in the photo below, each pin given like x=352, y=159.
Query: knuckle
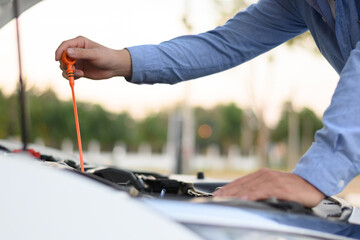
x=64, y=75
x=287, y=189
x=76, y=52
x=81, y=39
x=271, y=174
x=267, y=173
x=253, y=189
x=279, y=182
x=268, y=195
x=262, y=195
x=263, y=170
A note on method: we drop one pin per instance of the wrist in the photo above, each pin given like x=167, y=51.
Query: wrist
x=123, y=67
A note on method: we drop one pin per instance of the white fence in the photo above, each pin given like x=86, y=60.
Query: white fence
x=144, y=159
x=166, y=163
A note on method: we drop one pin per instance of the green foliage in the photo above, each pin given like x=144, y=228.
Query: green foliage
x=280, y=133
x=107, y=128
x=230, y=122
x=208, y=117
x=153, y=130
x=49, y=118
x=309, y=123
x=9, y=116
x=225, y=121
x=52, y=120
x=228, y=8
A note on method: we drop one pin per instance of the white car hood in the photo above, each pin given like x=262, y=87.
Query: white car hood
x=40, y=202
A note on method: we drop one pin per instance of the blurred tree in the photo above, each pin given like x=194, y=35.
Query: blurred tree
x=224, y=122
x=153, y=130
x=50, y=118
x=4, y=117
x=205, y=117
x=226, y=10
x=229, y=119
x=95, y=124
x=53, y=121
x=13, y=113
x=309, y=123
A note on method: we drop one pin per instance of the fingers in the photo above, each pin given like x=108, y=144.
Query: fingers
x=261, y=184
x=64, y=74
x=63, y=66
x=235, y=187
x=95, y=61
x=82, y=53
x=78, y=42
x=266, y=183
x=77, y=72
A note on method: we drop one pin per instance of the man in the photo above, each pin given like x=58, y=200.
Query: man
x=334, y=158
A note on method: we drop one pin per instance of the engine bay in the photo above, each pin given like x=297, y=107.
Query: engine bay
x=196, y=189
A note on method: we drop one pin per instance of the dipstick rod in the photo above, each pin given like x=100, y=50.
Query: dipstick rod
x=77, y=129
x=70, y=72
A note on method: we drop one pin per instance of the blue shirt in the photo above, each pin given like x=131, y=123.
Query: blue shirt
x=334, y=158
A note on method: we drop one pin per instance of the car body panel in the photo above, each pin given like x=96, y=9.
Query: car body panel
x=41, y=202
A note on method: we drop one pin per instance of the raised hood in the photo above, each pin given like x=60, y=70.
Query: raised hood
x=7, y=9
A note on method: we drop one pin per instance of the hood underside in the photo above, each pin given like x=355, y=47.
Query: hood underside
x=7, y=9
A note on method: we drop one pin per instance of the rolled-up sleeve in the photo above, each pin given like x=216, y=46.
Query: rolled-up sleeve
x=250, y=33
x=333, y=160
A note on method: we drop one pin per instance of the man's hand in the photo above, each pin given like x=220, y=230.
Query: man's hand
x=93, y=60
x=264, y=184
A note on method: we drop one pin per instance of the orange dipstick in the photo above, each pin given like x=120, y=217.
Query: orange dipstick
x=70, y=72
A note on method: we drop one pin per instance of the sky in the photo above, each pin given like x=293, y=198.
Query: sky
x=296, y=73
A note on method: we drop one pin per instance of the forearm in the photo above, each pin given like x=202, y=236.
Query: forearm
x=252, y=32
x=334, y=158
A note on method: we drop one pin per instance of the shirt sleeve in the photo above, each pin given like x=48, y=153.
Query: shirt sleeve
x=250, y=33
x=333, y=160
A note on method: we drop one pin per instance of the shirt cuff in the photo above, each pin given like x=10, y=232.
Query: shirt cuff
x=326, y=170
x=145, y=64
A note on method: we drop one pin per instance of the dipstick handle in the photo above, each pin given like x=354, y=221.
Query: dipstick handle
x=69, y=62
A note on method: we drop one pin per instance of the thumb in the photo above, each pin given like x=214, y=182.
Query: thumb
x=81, y=53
